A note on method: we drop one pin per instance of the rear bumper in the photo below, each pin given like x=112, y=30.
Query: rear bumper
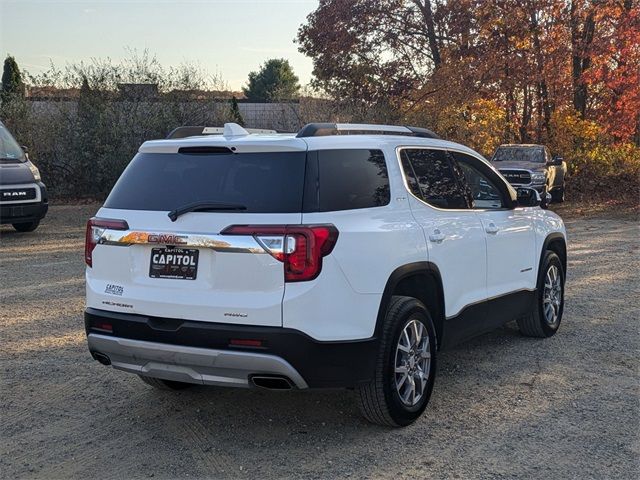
x=25, y=212
x=189, y=364
x=200, y=352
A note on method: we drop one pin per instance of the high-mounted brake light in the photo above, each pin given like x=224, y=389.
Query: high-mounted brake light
x=95, y=227
x=299, y=247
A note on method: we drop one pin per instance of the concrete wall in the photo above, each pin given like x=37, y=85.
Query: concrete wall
x=278, y=116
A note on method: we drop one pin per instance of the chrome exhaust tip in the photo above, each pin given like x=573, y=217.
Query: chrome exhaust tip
x=101, y=357
x=271, y=382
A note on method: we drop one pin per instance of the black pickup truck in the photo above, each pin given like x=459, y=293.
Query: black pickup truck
x=532, y=166
x=23, y=196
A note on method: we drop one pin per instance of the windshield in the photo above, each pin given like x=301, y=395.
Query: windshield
x=268, y=182
x=519, y=154
x=10, y=151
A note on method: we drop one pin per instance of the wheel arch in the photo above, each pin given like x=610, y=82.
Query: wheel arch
x=556, y=243
x=420, y=280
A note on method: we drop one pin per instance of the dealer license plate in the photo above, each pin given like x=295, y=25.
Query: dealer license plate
x=173, y=262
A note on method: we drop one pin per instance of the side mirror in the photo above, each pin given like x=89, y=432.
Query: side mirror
x=24, y=148
x=528, y=197
x=557, y=161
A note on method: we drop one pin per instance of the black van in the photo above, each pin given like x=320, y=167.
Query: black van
x=23, y=196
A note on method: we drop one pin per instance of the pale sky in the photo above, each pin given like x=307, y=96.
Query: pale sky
x=228, y=37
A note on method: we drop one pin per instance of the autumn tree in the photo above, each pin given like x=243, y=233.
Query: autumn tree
x=582, y=24
x=374, y=49
x=614, y=73
x=529, y=57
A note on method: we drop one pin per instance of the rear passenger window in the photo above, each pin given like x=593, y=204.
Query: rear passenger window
x=430, y=178
x=351, y=179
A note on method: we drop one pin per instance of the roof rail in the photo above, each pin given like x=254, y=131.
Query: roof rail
x=229, y=130
x=326, y=129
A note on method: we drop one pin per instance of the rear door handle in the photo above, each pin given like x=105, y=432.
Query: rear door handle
x=491, y=228
x=437, y=236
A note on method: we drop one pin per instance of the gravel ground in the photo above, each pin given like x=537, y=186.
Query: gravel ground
x=503, y=405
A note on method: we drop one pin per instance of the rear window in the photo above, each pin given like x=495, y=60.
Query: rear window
x=352, y=179
x=270, y=182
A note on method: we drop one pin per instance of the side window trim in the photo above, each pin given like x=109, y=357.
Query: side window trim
x=311, y=189
x=413, y=173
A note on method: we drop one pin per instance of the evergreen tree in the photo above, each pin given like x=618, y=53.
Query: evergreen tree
x=12, y=84
x=236, y=116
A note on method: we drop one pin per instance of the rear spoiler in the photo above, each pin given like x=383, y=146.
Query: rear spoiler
x=229, y=130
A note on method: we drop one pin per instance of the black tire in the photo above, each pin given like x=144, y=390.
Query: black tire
x=557, y=195
x=26, y=227
x=535, y=323
x=379, y=399
x=544, y=203
x=164, y=384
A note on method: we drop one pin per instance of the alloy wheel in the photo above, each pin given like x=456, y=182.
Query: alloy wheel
x=412, y=362
x=552, y=295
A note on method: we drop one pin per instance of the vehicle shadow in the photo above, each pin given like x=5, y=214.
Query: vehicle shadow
x=268, y=432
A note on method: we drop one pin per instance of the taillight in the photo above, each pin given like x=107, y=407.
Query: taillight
x=299, y=247
x=95, y=227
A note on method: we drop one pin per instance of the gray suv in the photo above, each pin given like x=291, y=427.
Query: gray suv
x=532, y=166
x=23, y=196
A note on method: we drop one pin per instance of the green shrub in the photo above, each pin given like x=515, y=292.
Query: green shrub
x=82, y=147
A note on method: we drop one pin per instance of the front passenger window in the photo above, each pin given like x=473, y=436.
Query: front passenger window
x=483, y=192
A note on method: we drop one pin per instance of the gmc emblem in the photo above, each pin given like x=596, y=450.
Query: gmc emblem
x=166, y=238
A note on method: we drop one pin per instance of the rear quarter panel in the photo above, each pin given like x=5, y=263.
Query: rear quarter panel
x=343, y=302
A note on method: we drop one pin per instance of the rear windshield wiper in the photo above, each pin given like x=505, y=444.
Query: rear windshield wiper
x=203, y=207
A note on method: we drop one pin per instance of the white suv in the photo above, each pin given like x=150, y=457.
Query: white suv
x=343, y=256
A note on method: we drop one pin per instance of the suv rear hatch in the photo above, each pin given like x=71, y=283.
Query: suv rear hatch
x=191, y=265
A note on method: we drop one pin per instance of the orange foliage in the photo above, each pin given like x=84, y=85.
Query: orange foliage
x=561, y=72
x=615, y=72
